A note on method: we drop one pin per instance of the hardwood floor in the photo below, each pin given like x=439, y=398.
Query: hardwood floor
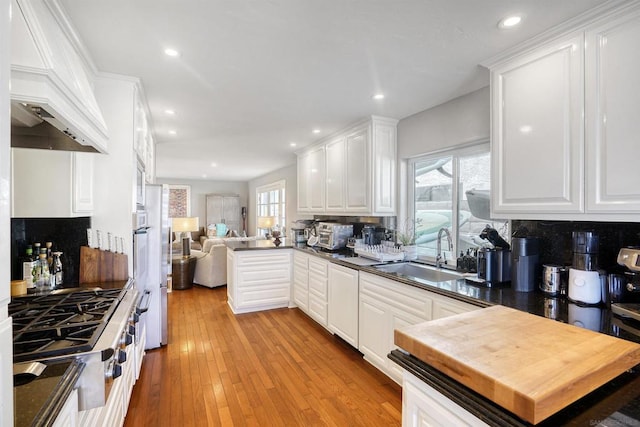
x=275, y=367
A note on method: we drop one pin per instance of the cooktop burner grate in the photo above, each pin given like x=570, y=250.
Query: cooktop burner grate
x=54, y=325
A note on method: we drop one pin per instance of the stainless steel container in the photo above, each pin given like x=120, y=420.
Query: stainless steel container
x=554, y=279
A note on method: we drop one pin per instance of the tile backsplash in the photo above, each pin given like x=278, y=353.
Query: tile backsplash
x=556, y=241
x=66, y=234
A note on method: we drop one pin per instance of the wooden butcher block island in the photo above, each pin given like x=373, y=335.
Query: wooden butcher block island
x=529, y=365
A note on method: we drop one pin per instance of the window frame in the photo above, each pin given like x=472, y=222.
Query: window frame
x=279, y=186
x=474, y=148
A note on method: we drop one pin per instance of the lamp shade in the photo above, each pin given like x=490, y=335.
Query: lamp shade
x=185, y=224
x=266, y=222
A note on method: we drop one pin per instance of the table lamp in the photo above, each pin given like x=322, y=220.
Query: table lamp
x=266, y=222
x=184, y=226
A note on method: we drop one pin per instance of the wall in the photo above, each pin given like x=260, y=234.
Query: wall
x=289, y=175
x=461, y=120
x=200, y=188
x=114, y=173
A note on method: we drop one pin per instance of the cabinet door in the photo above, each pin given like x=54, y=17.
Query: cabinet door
x=373, y=331
x=68, y=416
x=612, y=105
x=6, y=373
x=384, y=168
x=399, y=320
x=335, y=162
x=303, y=182
x=301, y=280
x=316, y=180
x=358, y=179
x=343, y=303
x=82, y=164
x=537, y=132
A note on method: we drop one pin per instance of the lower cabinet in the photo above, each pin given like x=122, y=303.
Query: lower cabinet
x=258, y=280
x=318, y=290
x=343, y=303
x=386, y=305
x=423, y=406
x=301, y=280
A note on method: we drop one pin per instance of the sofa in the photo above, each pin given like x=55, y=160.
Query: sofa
x=211, y=263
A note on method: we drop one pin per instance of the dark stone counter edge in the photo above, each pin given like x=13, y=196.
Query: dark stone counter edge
x=54, y=404
x=480, y=407
x=251, y=245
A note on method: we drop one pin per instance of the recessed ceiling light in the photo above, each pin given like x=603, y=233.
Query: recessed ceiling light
x=378, y=96
x=214, y=164
x=509, y=21
x=204, y=175
x=171, y=52
x=169, y=112
x=292, y=144
x=172, y=132
x=316, y=131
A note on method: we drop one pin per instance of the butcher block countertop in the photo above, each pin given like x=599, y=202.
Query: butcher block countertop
x=529, y=365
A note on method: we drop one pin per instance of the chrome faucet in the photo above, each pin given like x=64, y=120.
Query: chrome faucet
x=439, y=256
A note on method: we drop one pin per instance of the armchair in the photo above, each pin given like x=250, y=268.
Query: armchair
x=211, y=269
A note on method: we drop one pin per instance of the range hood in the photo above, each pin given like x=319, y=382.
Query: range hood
x=52, y=100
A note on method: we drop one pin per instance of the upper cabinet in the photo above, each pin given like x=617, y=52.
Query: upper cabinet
x=564, y=123
x=49, y=77
x=352, y=172
x=143, y=139
x=49, y=183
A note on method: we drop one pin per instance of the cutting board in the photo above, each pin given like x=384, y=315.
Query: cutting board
x=102, y=266
x=529, y=365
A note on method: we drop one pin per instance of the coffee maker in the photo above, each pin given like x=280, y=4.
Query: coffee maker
x=586, y=282
x=494, y=264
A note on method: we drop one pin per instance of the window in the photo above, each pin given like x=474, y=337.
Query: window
x=270, y=201
x=450, y=190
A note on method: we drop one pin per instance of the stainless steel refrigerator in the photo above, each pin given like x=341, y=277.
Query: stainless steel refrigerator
x=159, y=263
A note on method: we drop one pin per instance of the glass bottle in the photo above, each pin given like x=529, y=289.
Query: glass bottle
x=28, y=262
x=56, y=270
x=41, y=275
x=49, y=246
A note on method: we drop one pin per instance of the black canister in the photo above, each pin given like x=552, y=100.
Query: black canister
x=524, y=266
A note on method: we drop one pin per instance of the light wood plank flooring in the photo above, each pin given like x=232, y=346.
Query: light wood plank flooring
x=275, y=367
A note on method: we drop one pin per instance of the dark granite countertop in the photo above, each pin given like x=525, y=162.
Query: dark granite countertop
x=616, y=403
x=263, y=244
x=38, y=403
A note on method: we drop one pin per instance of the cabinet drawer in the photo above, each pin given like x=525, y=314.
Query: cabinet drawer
x=318, y=309
x=318, y=287
x=318, y=268
x=263, y=259
x=413, y=301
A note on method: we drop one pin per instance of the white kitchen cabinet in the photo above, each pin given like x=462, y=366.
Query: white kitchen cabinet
x=301, y=280
x=424, y=406
x=258, y=279
x=445, y=307
x=612, y=105
x=537, y=131
x=311, y=180
x=68, y=416
x=318, y=290
x=359, y=175
x=335, y=190
x=6, y=371
x=343, y=303
x=386, y=305
x=563, y=123
x=61, y=184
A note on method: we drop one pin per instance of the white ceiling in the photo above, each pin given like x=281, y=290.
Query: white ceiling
x=257, y=75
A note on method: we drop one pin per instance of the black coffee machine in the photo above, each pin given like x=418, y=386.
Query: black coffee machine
x=494, y=264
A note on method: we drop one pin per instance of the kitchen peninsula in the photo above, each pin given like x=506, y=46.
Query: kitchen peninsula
x=258, y=275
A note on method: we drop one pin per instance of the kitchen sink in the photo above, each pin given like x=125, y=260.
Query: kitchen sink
x=419, y=271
